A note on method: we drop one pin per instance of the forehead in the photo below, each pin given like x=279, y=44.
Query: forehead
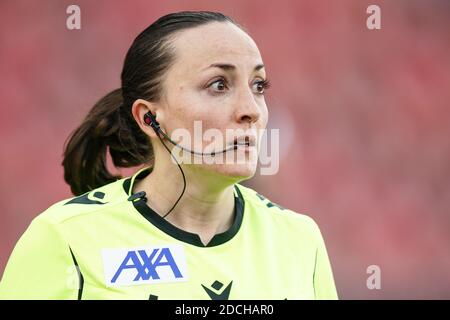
x=198, y=47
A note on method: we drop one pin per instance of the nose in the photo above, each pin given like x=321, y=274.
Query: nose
x=248, y=110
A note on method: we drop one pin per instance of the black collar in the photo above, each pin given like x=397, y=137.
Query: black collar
x=192, y=238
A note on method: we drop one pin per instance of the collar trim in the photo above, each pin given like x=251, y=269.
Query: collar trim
x=192, y=238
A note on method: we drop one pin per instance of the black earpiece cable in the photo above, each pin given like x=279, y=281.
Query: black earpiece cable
x=195, y=152
x=182, y=173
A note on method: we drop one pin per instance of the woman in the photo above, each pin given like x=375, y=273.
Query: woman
x=174, y=230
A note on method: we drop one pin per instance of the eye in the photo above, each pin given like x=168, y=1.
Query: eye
x=218, y=85
x=261, y=86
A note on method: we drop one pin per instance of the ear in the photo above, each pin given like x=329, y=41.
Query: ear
x=139, y=108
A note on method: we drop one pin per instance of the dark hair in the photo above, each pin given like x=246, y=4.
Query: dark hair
x=110, y=124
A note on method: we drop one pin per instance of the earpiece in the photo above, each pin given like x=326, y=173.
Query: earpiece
x=150, y=120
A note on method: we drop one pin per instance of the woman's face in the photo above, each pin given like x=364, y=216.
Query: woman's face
x=227, y=98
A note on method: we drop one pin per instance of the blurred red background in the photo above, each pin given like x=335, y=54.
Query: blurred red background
x=364, y=119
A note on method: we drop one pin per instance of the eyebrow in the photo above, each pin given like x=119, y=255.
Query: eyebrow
x=231, y=67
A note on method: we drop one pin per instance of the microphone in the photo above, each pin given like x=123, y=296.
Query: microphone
x=150, y=120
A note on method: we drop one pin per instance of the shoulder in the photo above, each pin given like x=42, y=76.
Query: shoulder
x=264, y=210
x=96, y=202
x=71, y=219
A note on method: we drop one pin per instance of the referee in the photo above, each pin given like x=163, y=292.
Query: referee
x=173, y=230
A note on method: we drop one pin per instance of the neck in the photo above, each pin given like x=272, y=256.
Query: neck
x=206, y=207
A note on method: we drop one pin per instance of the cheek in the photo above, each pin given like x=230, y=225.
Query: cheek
x=213, y=113
x=264, y=118
x=196, y=114
x=184, y=109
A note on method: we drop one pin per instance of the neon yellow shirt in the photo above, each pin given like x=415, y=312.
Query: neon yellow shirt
x=109, y=244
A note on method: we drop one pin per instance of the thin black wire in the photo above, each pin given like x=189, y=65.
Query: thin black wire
x=194, y=152
x=182, y=173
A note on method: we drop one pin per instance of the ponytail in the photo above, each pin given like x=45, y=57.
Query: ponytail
x=108, y=126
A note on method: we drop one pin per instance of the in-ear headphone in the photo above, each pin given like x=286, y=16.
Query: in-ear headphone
x=150, y=120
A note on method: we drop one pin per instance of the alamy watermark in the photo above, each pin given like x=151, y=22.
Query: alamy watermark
x=373, y=21
x=374, y=280
x=73, y=21
x=232, y=147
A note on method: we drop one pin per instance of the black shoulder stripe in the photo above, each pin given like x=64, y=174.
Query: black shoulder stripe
x=84, y=199
x=269, y=203
x=80, y=276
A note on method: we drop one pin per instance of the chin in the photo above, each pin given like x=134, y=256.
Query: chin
x=237, y=171
x=241, y=168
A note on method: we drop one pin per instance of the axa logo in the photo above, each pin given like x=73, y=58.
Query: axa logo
x=124, y=267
